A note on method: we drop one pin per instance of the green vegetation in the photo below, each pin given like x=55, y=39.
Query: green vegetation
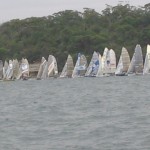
x=70, y=32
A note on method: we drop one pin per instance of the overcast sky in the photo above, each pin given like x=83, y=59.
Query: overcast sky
x=20, y=9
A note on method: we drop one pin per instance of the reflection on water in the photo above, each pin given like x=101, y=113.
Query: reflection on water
x=109, y=113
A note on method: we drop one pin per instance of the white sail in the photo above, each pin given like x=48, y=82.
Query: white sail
x=15, y=69
x=103, y=64
x=119, y=67
x=41, y=68
x=52, y=66
x=125, y=59
x=112, y=61
x=5, y=67
x=64, y=71
x=136, y=65
x=105, y=61
x=45, y=71
x=68, y=68
x=55, y=67
x=80, y=67
x=93, y=66
x=24, y=69
x=9, y=72
x=123, y=63
x=112, y=57
x=100, y=71
x=131, y=68
x=1, y=69
x=146, y=69
x=108, y=62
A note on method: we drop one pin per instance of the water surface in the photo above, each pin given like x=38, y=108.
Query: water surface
x=109, y=113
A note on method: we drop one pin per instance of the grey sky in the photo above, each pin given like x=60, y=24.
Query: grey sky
x=13, y=9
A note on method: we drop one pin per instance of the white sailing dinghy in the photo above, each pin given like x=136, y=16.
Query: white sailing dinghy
x=123, y=63
x=112, y=57
x=15, y=69
x=68, y=68
x=24, y=69
x=45, y=71
x=105, y=61
x=146, y=69
x=108, y=62
x=93, y=66
x=9, y=72
x=41, y=74
x=52, y=66
x=5, y=67
x=80, y=67
x=1, y=69
x=136, y=65
x=100, y=71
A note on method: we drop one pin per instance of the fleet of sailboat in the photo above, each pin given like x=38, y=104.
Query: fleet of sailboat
x=99, y=66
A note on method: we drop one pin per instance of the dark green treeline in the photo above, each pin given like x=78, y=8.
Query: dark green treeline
x=70, y=32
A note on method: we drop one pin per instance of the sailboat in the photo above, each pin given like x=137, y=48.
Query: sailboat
x=136, y=65
x=93, y=66
x=68, y=68
x=108, y=62
x=9, y=72
x=80, y=67
x=146, y=69
x=41, y=73
x=1, y=69
x=15, y=69
x=45, y=71
x=100, y=71
x=112, y=57
x=52, y=66
x=123, y=63
x=24, y=69
x=105, y=61
x=5, y=67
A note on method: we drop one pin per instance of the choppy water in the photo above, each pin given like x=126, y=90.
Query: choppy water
x=109, y=113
